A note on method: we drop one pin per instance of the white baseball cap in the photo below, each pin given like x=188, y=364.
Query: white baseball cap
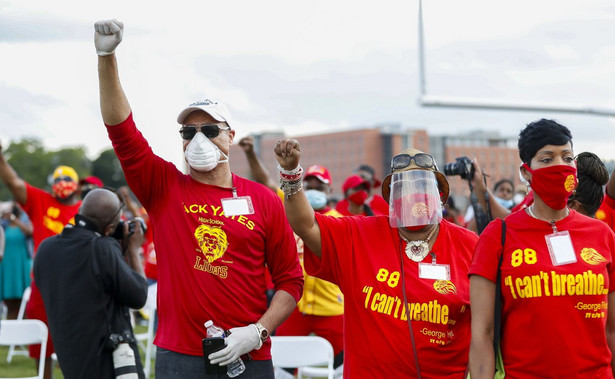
x=214, y=108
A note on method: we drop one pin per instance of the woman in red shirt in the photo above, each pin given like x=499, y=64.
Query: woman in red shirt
x=403, y=275
x=556, y=271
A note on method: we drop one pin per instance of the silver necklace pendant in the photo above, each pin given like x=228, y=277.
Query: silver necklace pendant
x=417, y=250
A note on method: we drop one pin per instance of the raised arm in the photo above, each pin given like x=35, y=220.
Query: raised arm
x=114, y=105
x=480, y=189
x=15, y=184
x=257, y=169
x=298, y=210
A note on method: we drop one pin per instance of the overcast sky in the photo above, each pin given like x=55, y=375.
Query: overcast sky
x=306, y=66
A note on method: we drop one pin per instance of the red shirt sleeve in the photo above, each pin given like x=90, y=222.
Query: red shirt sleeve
x=487, y=253
x=609, y=200
x=147, y=174
x=281, y=254
x=336, y=247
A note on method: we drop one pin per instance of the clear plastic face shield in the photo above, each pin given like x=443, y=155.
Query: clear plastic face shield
x=414, y=199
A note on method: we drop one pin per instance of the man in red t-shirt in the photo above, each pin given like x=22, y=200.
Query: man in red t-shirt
x=48, y=213
x=215, y=233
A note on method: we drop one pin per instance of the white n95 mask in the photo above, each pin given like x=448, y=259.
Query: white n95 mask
x=202, y=154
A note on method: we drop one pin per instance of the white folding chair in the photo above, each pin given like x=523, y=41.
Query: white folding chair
x=25, y=332
x=20, y=315
x=146, y=340
x=320, y=372
x=301, y=352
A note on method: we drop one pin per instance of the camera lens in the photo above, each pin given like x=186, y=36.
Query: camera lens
x=451, y=169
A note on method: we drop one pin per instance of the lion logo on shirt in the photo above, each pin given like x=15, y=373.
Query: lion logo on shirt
x=212, y=241
x=444, y=287
x=591, y=256
x=420, y=210
x=571, y=183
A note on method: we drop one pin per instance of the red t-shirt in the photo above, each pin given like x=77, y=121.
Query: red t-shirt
x=527, y=201
x=47, y=214
x=362, y=256
x=210, y=266
x=150, y=265
x=547, y=328
x=378, y=204
x=606, y=212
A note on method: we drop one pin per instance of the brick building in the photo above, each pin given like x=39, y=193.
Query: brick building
x=342, y=152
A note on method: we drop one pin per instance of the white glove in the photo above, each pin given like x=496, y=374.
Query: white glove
x=241, y=341
x=107, y=36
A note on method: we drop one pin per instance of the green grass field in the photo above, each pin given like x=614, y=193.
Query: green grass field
x=24, y=366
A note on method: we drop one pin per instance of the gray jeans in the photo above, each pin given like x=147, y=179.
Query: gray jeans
x=172, y=365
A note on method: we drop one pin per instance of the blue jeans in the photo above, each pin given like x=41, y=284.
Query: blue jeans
x=172, y=365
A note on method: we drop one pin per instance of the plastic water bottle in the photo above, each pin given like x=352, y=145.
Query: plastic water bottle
x=235, y=368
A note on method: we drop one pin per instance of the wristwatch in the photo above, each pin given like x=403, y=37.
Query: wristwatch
x=263, y=333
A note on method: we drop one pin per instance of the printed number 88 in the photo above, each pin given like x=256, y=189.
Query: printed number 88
x=392, y=280
x=519, y=256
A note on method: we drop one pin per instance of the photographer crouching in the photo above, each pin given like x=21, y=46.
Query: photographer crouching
x=88, y=281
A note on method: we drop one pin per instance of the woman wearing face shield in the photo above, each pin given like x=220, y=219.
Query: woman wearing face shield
x=404, y=276
x=556, y=275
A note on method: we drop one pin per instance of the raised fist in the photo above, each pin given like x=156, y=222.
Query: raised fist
x=247, y=144
x=108, y=34
x=288, y=152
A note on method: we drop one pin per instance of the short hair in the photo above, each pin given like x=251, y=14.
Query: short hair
x=502, y=181
x=101, y=206
x=366, y=168
x=540, y=133
x=592, y=175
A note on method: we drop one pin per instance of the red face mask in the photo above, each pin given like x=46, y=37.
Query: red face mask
x=417, y=210
x=358, y=197
x=554, y=184
x=63, y=188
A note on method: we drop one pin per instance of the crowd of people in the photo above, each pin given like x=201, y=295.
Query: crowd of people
x=392, y=275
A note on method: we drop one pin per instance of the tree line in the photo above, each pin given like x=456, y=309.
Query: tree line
x=35, y=164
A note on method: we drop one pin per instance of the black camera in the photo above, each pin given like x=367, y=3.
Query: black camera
x=117, y=338
x=462, y=166
x=132, y=224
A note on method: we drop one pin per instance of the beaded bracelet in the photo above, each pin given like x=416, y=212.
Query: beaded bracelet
x=291, y=188
x=290, y=178
x=294, y=171
x=291, y=175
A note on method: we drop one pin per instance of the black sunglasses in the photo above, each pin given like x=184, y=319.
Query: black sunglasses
x=422, y=160
x=63, y=178
x=209, y=130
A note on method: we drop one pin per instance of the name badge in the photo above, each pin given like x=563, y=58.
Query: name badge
x=560, y=248
x=434, y=271
x=237, y=206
